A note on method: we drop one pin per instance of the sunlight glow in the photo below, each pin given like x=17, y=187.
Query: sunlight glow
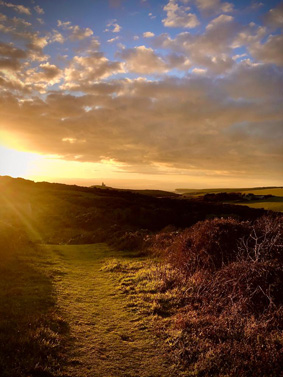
x=16, y=163
x=39, y=167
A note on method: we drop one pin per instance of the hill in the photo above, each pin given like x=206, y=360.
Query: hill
x=70, y=213
x=156, y=193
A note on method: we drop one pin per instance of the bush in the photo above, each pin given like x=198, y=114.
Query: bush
x=159, y=244
x=265, y=241
x=231, y=323
x=245, y=286
x=129, y=240
x=207, y=245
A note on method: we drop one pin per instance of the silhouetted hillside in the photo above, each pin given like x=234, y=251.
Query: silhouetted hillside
x=59, y=212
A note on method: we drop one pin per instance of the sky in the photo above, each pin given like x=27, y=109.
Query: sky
x=142, y=93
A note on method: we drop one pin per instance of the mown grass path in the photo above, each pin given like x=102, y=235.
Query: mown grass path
x=110, y=340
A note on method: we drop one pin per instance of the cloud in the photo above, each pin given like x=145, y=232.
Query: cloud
x=248, y=35
x=49, y=71
x=18, y=8
x=83, y=71
x=209, y=7
x=178, y=61
x=213, y=49
x=56, y=36
x=35, y=41
x=10, y=57
x=15, y=26
x=199, y=71
x=274, y=17
x=115, y=27
x=20, y=31
x=3, y=17
x=143, y=60
x=9, y=64
x=19, y=23
x=196, y=123
x=223, y=18
x=12, y=84
x=115, y=3
x=112, y=40
x=38, y=9
x=80, y=33
x=46, y=73
x=148, y=34
x=76, y=33
x=209, y=50
x=255, y=81
x=222, y=110
x=9, y=51
x=269, y=52
x=88, y=46
x=178, y=16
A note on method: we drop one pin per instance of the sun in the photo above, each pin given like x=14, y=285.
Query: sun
x=16, y=163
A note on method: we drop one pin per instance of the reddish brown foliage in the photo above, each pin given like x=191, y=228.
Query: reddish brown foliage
x=207, y=245
x=252, y=286
x=232, y=322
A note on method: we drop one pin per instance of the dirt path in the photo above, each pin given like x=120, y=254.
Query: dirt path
x=109, y=339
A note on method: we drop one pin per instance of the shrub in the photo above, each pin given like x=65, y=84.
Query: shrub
x=129, y=240
x=231, y=323
x=246, y=286
x=160, y=243
x=207, y=245
x=265, y=241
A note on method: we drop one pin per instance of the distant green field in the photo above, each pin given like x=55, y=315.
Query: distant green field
x=276, y=191
x=274, y=204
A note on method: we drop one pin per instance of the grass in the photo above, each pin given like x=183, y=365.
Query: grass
x=109, y=338
x=271, y=204
x=31, y=331
x=64, y=314
x=276, y=191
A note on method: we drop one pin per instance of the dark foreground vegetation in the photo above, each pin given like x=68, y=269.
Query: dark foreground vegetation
x=229, y=279
x=31, y=331
x=216, y=298
x=61, y=213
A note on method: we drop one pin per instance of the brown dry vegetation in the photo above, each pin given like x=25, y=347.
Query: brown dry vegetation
x=229, y=285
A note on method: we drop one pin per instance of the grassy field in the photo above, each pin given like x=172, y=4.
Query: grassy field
x=63, y=314
x=276, y=191
x=109, y=339
x=32, y=332
x=274, y=204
